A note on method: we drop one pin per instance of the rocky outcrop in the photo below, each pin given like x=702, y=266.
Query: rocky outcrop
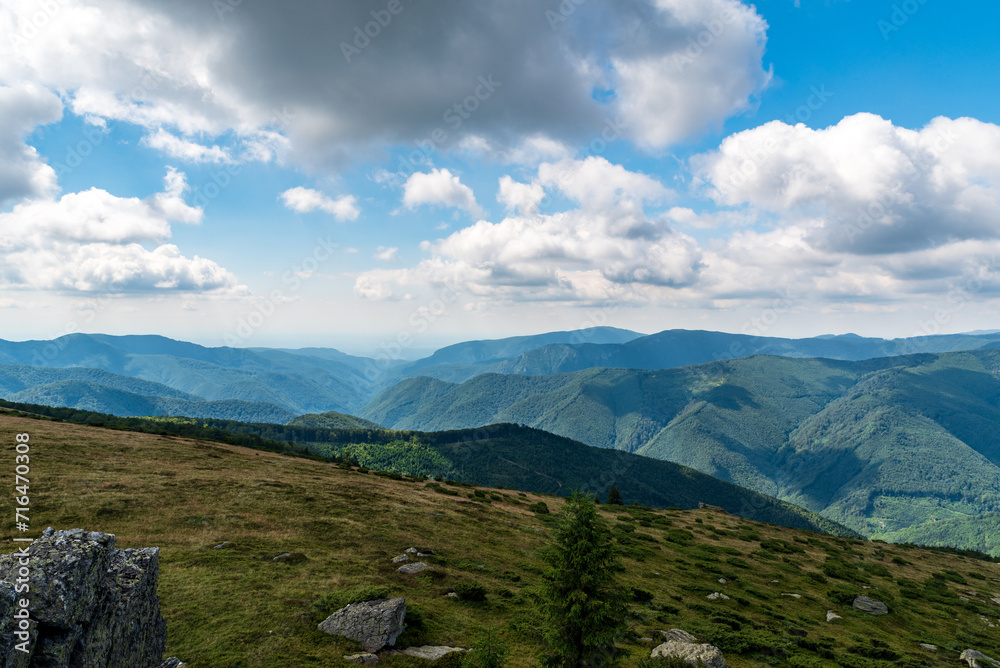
x=415, y=567
x=978, y=659
x=871, y=606
x=92, y=605
x=374, y=624
x=430, y=652
x=682, y=645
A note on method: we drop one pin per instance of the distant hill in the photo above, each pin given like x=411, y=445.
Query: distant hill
x=332, y=420
x=878, y=445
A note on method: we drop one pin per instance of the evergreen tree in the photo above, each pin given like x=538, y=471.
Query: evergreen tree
x=615, y=496
x=584, y=604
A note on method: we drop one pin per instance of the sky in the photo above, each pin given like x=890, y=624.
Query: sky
x=397, y=175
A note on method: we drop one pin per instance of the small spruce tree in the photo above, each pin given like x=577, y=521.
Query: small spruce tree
x=615, y=496
x=584, y=604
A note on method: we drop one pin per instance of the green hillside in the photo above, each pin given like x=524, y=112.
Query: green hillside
x=981, y=533
x=330, y=420
x=877, y=445
x=239, y=608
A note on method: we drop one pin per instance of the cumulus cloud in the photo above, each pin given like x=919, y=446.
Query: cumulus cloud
x=866, y=186
x=92, y=240
x=186, y=150
x=22, y=171
x=521, y=197
x=297, y=81
x=305, y=200
x=439, y=187
x=606, y=248
x=386, y=254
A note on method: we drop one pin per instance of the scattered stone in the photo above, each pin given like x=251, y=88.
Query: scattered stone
x=222, y=546
x=415, y=567
x=677, y=635
x=996, y=600
x=715, y=596
x=723, y=581
x=451, y=594
x=291, y=557
x=173, y=662
x=410, y=550
x=871, y=606
x=792, y=595
x=832, y=616
x=774, y=582
x=425, y=554
x=362, y=659
x=963, y=598
x=929, y=647
x=93, y=605
x=646, y=640
x=431, y=652
x=374, y=624
x=978, y=659
x=401, y=559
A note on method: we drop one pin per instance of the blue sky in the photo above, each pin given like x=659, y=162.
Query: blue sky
x=236, y=173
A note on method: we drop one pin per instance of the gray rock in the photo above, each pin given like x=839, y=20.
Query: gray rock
x=429, y=651
x=723, y=581
x=291, y=557
x=173, y=662
x=646, y=640
x=978, y=659
x=374, y=624
x=793, y=595
x=929, y=647
x=96, y=606
x=871, y=606
x=715, y=596
x=411, y=550
x=222, y=546
x=401, y=559
x=677, y=635
x=415, y=567
x=832, y=616
x=708, y=656
x=365, y=659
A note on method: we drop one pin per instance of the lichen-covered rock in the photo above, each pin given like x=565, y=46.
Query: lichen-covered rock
x=374, y=624
x=871, y=606
x=415, y=567
x=978, y=659
x=693, y=653
x=431, y=652
x=832, y=616
x=677, y=635
x=96, y=606
x=173, y=662
x=365, y=659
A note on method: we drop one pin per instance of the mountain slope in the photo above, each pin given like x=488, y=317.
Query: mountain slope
x=878, y=445
x=237, y=606
x=331, y=420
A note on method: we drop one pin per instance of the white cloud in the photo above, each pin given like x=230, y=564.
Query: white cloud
x=22, y=171
x=92, y=240
x=864, y=185
x=305, y=200
x=605, y=249
x=439, y=187
x=186, y=150
x=521, y=197
x=386, y=254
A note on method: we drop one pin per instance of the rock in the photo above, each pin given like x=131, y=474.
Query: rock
x=451, y=594
x=793, y=595
x=832, y=616
x=715, y=596
x=723, y=581
x=774, y=582
x=291, y=557
x=415, y=567
x=374, y=624
x=429, y=651
x=401, y=559
x=978, y=659
x=996, y=600
x=929, y=647
x=708, y=656
x=677, y=635
x=362, y=659
x=871, y=606
x=425, y=554
x=222, y=546
x=411, y=550
x=95, y=606
x=646, y=640
x=173, y=662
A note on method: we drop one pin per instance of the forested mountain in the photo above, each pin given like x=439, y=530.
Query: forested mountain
x=879, y=445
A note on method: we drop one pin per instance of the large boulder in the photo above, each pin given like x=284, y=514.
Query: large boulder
x=682, y=645
x=978, y=659
x=374, y=624
x=871, y=606
x=95, y=605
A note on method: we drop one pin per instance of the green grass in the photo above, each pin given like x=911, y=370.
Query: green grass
x=236, y=607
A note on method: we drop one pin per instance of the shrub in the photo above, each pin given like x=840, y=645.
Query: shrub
x=539, y=508
x=489, y=651
x=470, y=591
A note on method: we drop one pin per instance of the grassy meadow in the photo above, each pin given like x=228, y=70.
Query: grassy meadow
x=239, y=607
